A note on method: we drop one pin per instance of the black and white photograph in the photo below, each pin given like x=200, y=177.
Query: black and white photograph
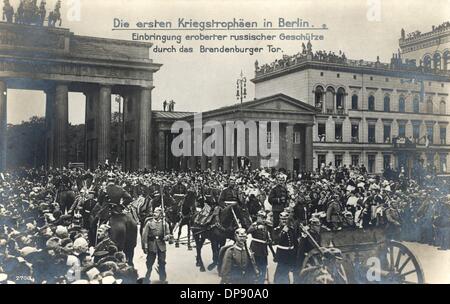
x=153, y=142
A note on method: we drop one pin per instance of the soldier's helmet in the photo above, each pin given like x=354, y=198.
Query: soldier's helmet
x=240, y=232
x=314, y=221
x=284, y=215
x=261, y=213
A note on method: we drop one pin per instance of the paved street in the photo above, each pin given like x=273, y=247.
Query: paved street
x=181, y=264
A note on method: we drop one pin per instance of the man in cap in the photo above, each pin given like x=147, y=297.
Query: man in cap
x=103, y=243
x=278, y=198
x=114, y=195
x=260, y=241
x=308, y=236
x=154, y=237
x=285, y=255
x=237, y=265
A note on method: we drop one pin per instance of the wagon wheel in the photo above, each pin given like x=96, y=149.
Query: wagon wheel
x=402, y=265
x=314, y=260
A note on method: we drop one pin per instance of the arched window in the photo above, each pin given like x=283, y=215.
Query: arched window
x=387, y=103
x=442, y=107
x=354, y=102
x=318, y=96
x=329, y=99
x=430, y=106
x=427, y=61
x=371, y=103
x=401, y=104
x=340, y=99
x=437, y=61
x=416, y=105
x=446, y=61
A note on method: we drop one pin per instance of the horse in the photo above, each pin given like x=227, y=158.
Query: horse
x=224, y=224
x=65, y=199
x=187, y=211
x=123, y=227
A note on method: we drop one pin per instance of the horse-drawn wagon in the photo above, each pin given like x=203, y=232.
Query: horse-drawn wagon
x=360, y=256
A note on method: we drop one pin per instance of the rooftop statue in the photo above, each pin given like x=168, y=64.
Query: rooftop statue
x=55, y=15
x=8, y=11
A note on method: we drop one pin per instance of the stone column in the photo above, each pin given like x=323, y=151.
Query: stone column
x=308, y=147
x=145, y=122
x=226, y=158
x=104, y=124
x=49, y=122
x=61, y=125
x=290, y=146
x=3, y=125
x=162, y=150
x=192, y=158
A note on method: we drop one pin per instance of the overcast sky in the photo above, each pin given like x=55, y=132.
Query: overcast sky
x=200, y=82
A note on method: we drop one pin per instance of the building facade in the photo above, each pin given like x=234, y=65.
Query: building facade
x=378, y=114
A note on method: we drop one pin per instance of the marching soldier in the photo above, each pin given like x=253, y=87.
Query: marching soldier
x=260, y=241
x=306, y=244
x=278, y=198
x=154, y=237
x=286, y=250
x=238, y=266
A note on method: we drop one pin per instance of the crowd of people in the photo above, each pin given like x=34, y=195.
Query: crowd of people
x=43, y=240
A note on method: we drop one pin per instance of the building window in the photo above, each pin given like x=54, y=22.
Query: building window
x=355, y=133
x=354, y=77
x=321, y=128
x=371, y=134
x=318, y=97
x=338, y=160
x=371, y=78
x=387, y=134
x=296, y=137
x=371, y=103
x=355, y=160
x=321, y=159
x=355, y=102
x=386, y=161
x=437, y=61
x=338, y=75
x=430, y=106
x=416, y=105
x=416, y=132
x=387, y=79
x=401, y=131
x=321, y=73
x=442, y=107
x=330, y=96
x=340, y=100
x=443, y=135
x=446, y=62
x=338, y=132
x=387, y=103
x=443, y=163
x=427, y=62
x=430, y=133
x=269, y=137
x=401, y=104
x=371, y=163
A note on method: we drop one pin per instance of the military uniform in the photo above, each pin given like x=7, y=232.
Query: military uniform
x=393, y=222
x=278, y=198
x=260, y=240
x=285, y=254
x=237, y=266
x=229, y=194
x=154, y=244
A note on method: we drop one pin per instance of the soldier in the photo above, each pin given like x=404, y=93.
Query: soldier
x=393, y=220
x=306, y=244
x=115, y=195
x=286, y=254
x=230, y=193
x=154, y=237
x=260, y=240
x=179, y=191
x=237, y=264
x=104, y=244
x=278, y=198
x=334, y=218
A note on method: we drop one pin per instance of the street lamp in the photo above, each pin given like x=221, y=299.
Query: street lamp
x=119, y=100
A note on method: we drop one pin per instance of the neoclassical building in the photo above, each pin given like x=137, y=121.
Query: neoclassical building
x=382, y=115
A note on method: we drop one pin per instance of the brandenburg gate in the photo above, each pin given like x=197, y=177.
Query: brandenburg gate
x=57, y=61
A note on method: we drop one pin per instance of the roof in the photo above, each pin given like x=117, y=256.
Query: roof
x=171, y=115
